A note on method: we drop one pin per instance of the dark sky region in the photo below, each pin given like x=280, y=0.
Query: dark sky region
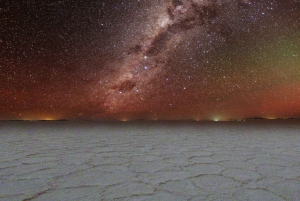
x=149, y=59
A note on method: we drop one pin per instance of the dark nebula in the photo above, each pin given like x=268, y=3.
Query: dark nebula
x=160, y=59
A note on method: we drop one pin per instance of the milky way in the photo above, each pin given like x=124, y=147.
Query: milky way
x=147, y=59
x=160, y=59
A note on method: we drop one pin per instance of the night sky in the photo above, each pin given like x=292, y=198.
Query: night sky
x=149, y=59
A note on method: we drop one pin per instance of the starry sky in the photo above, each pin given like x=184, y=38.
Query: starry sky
x=149, y=59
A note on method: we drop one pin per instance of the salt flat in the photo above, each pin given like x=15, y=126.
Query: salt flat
x=252, y=160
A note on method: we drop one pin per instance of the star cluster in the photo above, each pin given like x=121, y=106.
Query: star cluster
x=141, y=59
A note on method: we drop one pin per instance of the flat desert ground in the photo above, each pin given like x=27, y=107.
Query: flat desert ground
x=68, y=160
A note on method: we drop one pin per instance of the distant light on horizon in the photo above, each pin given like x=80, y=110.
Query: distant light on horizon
x=49, y=119
x=38, y=118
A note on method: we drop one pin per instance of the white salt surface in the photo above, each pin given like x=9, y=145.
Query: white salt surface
x=254, y=160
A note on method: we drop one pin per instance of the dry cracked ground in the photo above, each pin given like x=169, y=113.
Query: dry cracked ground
x=43, y=161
